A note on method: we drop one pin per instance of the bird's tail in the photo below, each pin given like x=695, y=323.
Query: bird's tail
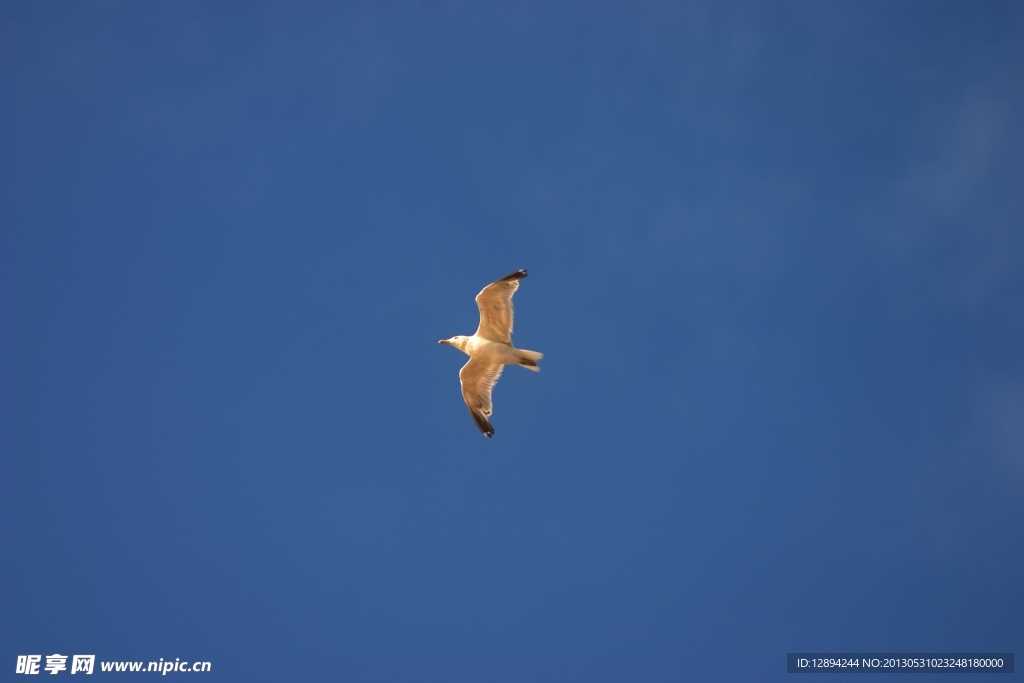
x=528, y=359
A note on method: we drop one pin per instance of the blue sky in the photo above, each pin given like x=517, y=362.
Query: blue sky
x=776, y=257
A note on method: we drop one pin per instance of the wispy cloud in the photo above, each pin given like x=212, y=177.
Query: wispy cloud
x=952, y=220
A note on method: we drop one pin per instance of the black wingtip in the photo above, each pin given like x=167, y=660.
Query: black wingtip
x=518, y=275
x=483, y=424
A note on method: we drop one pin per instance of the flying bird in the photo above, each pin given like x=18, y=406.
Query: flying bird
x=490, y=349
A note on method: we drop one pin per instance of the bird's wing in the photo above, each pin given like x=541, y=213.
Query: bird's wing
x=478, y=377
x=495, y=304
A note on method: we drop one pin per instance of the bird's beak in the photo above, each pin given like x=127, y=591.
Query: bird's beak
x=443, y=341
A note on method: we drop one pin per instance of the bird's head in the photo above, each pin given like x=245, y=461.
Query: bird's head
x=457, y=341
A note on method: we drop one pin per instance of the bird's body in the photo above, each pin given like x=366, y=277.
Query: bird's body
x=487, y=350
x=490, y=348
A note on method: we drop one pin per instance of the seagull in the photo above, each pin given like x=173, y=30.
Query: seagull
x=490, y=349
